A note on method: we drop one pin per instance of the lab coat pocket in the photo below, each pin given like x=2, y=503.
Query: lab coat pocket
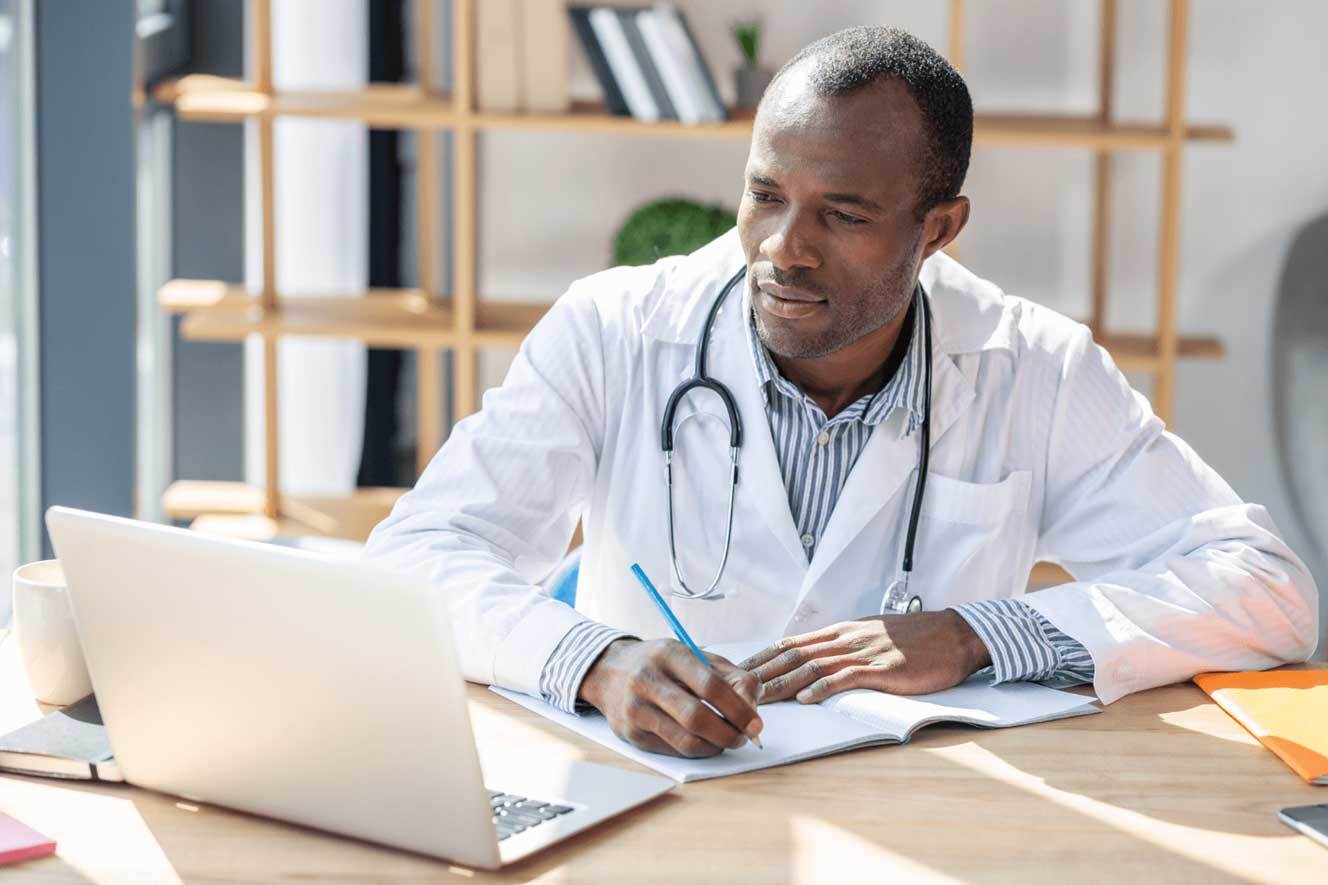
x=969, y=537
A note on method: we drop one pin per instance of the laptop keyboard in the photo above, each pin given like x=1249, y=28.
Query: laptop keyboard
x=515, y=814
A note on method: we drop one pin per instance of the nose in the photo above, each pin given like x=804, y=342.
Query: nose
x=787, y=247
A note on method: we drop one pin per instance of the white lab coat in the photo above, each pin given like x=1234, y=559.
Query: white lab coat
x=1040, y=451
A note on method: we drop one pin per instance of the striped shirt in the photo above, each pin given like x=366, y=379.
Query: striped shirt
x=816, y=455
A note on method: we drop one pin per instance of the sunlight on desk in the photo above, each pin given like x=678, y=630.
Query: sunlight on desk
x=96, y=835
x=1224, y=852
x=822, y=851
x=1210, y=720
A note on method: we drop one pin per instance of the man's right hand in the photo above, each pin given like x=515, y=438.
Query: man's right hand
x=652, y=691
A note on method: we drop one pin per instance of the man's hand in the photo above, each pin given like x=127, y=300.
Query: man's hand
x=652, y=692
x=901, y=654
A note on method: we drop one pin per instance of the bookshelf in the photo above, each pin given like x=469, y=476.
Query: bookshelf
x=433, y=318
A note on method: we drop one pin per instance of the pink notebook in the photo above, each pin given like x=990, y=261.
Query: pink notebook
x=19, y=842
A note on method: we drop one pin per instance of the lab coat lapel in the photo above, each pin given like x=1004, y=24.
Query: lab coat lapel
x=760, y=481
x=886, y=462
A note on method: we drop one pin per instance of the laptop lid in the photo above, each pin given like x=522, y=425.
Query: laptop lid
x=279, y=682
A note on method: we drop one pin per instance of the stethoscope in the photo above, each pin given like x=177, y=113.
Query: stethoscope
x=896, y=599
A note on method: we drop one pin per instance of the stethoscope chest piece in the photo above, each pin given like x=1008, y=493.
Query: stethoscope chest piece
x=898, y=601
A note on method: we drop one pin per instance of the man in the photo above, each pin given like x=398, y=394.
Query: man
x=1039, y=450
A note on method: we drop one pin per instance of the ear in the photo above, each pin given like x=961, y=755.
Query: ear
x=943, y=223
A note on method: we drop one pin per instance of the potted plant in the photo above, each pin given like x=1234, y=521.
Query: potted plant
x=751, y=78
x=670, y=226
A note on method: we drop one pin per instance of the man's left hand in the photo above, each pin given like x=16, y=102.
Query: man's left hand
x=901, y=654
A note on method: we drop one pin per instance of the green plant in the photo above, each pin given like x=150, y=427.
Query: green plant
x=748, y=35
x=671, y=226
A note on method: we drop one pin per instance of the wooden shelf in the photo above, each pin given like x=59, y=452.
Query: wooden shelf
x=216, y=311
x=590, y=116
x=506, y=324
x=465, y=323
x=397, y=106
x=205, y=98
x=236, y=509
x=1070, y=131
x=1142, y=353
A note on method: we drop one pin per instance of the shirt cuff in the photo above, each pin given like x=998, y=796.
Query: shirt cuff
x=571, y=659
x=1024, y=645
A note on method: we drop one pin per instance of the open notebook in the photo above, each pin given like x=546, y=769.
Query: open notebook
x=794, y=732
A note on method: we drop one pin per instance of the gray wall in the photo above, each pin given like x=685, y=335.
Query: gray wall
x=86, y=252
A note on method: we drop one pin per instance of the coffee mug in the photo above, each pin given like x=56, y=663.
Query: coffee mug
x=47, y=639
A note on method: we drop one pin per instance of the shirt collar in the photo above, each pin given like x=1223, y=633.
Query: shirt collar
x=904, y=390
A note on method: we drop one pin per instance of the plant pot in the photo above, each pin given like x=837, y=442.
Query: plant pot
x=749, y=83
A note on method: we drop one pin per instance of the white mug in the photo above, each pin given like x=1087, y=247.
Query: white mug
x=47, y=639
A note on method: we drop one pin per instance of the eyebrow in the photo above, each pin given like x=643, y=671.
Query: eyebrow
x=851, y=199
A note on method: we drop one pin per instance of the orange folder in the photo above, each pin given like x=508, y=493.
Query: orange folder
x=1287, y=710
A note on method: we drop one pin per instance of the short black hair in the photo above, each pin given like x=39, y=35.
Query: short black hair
x=855, y=57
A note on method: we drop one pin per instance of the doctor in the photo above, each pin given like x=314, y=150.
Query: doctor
x=852, y=347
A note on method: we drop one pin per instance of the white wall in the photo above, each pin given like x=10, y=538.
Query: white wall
x=550, y=202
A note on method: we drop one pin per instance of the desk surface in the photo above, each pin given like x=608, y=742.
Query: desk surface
x=1163, y=786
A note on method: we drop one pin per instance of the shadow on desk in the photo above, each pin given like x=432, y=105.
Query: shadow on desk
x=1159, y=787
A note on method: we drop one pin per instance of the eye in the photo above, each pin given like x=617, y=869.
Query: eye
x=760, y=196
x=846, y=218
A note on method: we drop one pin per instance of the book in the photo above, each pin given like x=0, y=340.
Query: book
x=671, y=27
x=18, y=841
x=544, y=40
x=497, y=66
x=585, y=34
x=608, y=30
x=672, y=68
x=632, y=31
x=796, y=732
x=702, y=69
x=1287, y=710
x=68, y=743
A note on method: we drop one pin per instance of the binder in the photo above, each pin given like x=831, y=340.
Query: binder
x=613, y=97
x=1287, y=710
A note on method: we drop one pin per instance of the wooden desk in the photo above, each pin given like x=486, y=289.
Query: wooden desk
x=1162, y=787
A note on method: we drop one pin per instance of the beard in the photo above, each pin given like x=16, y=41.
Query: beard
x=852, y=317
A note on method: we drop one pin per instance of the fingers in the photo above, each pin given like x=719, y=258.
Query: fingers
x=791, y=659
x=788, y=642
x=745, y=683
x=652, y=728
x=785, y=686
x=708, y=685
x=841, y=680
x=696, y=718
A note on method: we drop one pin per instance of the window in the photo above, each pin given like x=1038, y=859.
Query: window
x=18, y=473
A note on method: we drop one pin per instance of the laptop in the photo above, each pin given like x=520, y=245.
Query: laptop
x=306, y=688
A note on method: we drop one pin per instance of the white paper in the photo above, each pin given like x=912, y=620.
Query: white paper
x=792, y=732
x=975, y=702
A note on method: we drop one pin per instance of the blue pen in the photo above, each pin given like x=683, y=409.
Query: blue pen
x=676, y=626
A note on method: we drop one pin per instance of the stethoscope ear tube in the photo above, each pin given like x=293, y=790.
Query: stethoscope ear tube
x=700, y=379
x=924, y=443
x=670, y=410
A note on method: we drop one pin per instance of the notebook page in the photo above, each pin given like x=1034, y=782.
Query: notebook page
x=975, y=702
x=792, y=732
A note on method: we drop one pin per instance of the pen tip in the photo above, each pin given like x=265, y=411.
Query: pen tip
x=756, y=740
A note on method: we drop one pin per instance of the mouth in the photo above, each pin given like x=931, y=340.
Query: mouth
x=787, y=303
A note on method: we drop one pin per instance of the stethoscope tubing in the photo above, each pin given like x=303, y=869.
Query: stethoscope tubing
x=701, y=380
